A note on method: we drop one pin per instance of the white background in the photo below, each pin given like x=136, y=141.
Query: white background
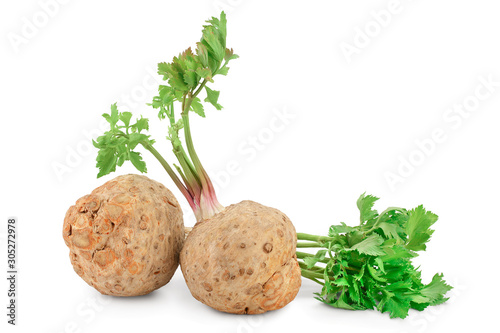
x=352, y=121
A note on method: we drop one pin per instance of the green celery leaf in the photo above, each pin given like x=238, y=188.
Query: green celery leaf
x=375, y=274
x=354, y=237
x=380, y=264
x=390, y=230
x=397, y=306
x=436, y=289
x=125, y=118
x=122, y=157
x=212, y=97
x=210, y=36
x=113, y=117
x=358, y=276
x=365, y=204
x=202, y=53
x=137, y=161
x=223, y=70
x=190, y=78
x=354, y=290
x=311, y=261
x=222, y=26
x=398, y=252
x=340, y=229
x=141, y=124
x=418, y=228
x=370, y=245
x=205, y=73
x=229, y=55
x=106, y=161
x=341, y=282
x=342, y=304
x=163, y=69
x=197, y=107
x=178, y=83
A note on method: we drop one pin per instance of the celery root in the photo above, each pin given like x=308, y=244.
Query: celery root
x=242, y=260
x=125, y=237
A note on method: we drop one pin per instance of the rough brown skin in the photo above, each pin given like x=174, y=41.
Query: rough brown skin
x=126, y=236
x=242, y=260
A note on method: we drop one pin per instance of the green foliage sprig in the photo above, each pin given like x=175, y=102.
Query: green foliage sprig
x=369, y=266
x=186, y=76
